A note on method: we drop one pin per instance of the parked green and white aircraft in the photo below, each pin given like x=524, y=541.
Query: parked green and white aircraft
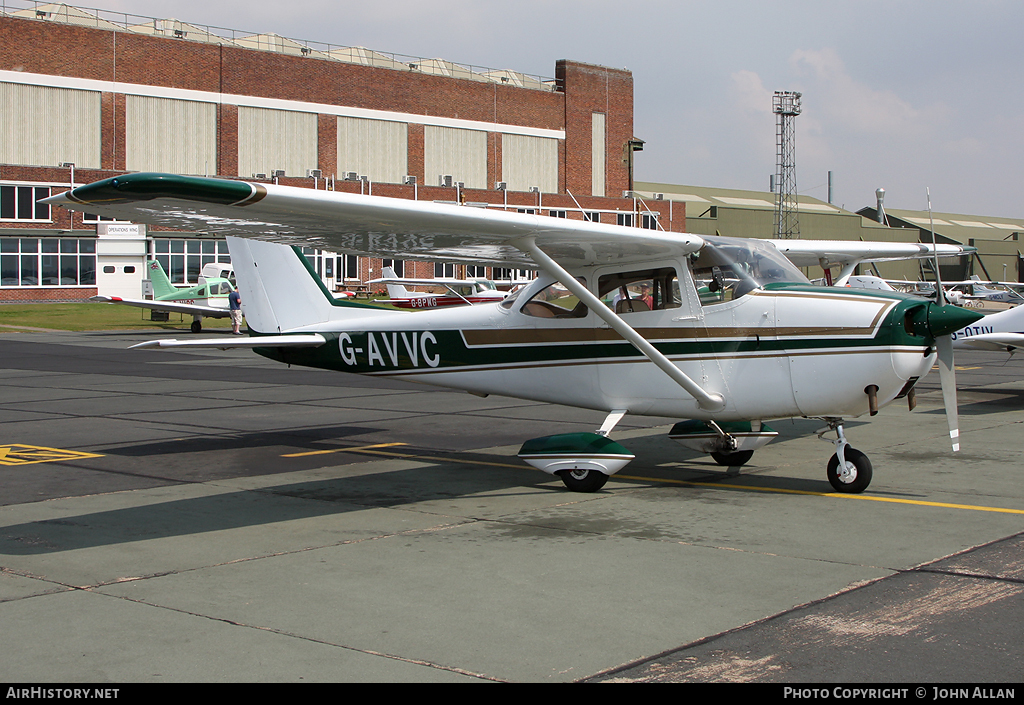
x=207, y=299
x=615, y=320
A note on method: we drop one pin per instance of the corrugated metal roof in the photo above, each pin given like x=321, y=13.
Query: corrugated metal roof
x=727, y=197
x=958, y=226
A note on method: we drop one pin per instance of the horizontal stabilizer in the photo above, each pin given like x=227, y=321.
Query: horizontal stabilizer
x=169, y=306
x=314, y=340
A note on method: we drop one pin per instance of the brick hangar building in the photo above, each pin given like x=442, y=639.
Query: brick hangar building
x=89, y=94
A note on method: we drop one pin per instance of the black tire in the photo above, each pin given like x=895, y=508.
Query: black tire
x=197, y=326
x=739, y=457
x=857, y=484
x=583, y=480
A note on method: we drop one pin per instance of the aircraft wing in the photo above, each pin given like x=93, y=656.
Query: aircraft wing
x=171, y=306
x=367, y=225
x=993, y=341
x=808, y=253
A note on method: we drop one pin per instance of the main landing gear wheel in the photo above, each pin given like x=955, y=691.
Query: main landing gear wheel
x=852, y=480
x=583, y=480
x=197, y=326
x=739, y=457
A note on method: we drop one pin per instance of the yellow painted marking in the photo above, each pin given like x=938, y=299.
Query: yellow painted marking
x=838, y=495
x=341, y=450
x=716, y=485
x=460, y=461
x=20, y=454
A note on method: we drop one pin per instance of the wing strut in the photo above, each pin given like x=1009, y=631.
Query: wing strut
x=706, y=400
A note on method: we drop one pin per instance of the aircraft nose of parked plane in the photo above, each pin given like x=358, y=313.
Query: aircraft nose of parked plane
x=943, y=320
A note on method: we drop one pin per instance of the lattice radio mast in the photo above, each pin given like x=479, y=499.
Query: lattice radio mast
x=786, y=106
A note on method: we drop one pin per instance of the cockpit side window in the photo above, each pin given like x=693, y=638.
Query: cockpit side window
x=555, y=301
x=728, y=268
x=641, y=290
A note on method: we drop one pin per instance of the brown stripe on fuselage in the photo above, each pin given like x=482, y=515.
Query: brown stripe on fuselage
x=538, y=336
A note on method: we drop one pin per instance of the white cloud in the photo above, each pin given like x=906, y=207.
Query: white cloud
x=751, y=95
x=853, y=104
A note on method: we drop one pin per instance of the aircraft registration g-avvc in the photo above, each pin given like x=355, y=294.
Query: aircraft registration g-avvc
x=731, y=333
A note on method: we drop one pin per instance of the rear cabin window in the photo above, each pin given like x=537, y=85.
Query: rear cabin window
x=641, y=290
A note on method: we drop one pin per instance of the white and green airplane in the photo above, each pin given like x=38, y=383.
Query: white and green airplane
x=207, y=299
x=615, y=321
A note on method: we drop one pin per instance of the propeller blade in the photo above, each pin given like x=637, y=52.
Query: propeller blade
x=947, y=377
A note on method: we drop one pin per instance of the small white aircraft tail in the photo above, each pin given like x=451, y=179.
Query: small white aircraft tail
x=395, y=291
x=280, y=291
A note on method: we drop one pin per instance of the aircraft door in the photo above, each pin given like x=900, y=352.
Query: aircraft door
x=754, y=368
x=555, y=333
x=651, y=301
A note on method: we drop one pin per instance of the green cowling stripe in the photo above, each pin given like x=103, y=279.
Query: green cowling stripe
x=131, y=188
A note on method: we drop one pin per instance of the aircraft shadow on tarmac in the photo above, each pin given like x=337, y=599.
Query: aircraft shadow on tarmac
x=430, y=480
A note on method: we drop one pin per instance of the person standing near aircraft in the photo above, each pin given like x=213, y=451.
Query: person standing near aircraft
x=235, y=306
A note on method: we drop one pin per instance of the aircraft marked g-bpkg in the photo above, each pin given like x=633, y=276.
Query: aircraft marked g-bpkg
x=724, y=333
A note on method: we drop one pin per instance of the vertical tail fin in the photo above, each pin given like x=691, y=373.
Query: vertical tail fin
x=395, y=291
x=281, y=292
x=161, y=284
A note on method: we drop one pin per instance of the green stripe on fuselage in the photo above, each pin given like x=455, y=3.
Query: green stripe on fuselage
x=384, y=352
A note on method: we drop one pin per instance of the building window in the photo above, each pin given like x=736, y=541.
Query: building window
x=473, y=270
x=444, y=270
x=624, y=219
x=649, y=221
x=21, y=203
x=348, y=267
x=592, y=216
x=556, y=214
x=511, y=276
x=396, y=264
x=93, y=218
x=183, y=260
x=47, y=262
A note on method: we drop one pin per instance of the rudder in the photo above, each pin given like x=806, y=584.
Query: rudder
x=281, y=292
x=161, y=284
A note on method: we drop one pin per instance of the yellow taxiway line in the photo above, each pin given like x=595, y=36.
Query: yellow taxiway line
x=839, y=495
x=355, y=449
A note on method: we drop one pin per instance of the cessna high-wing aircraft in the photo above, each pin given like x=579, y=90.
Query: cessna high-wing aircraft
x=977, y=289
x=1002, y=331
x=460, y=291
x=760, y=343
x=207, y=299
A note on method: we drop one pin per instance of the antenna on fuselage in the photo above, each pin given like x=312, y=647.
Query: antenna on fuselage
x=940, y=293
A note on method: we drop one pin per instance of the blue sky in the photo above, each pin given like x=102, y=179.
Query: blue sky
x=904, y=95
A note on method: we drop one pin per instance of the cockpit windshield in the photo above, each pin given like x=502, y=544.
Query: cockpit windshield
x=727, y=268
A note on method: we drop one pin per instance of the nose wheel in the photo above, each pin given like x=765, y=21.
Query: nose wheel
x=849, y=470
